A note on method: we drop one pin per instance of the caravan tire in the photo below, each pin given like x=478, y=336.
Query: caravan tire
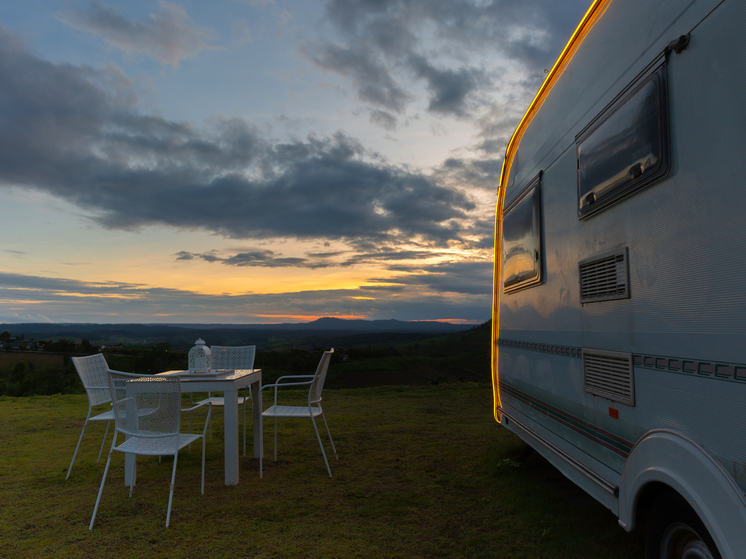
x=674, y=531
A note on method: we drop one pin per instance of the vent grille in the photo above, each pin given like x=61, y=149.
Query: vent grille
x=604, y=277
x=609, y=374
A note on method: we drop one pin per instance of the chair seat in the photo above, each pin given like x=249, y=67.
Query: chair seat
x=220, y=401
x=291, y=411
x=159, y=446
x=106, y=416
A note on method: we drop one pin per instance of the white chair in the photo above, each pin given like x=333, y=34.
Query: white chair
x=232, y=357
x=312, y=410
x=93, y=373
x=147, y=411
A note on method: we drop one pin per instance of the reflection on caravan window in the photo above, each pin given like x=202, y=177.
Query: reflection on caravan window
x=522, y=242
x=626, y=149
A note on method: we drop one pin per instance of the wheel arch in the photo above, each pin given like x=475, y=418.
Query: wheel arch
x=664, y=460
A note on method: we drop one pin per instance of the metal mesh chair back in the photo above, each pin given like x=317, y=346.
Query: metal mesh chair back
x=93, y=373
x=147, y=410
x=233, y=357
x=317, y=385
x=146, y=405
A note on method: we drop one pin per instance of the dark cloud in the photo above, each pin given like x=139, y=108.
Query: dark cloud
x=384, y=119
x=524, y=30
x=372, y=79
x=168, y=36
x=389, y=254
x=450, y=90
x=269, y=259
x=382, y=42
x=469, y=278
x=75, y=132
x=481, y=173
x=255, y=258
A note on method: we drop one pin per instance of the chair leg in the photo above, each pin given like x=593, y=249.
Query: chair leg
x=275, y=438
x=323, y=452
x=203, y=465
x=330, y=435
x=171, y=492
x=108, y=423
x=246, y=397
x=191, y=405
x=100, y=491
x=209, y=395
x=76, y=449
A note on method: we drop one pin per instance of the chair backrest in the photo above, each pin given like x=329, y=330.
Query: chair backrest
x=93, y=373
x=317, y=385
x=233, y=357
x=146, y=405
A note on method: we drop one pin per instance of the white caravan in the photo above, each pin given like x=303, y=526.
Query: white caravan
x=619, y=315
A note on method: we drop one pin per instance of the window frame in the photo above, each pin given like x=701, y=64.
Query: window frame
x=534, y=186
x=655, y=71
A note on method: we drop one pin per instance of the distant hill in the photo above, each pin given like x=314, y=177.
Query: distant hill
x=339, y=324
x=343, y=325
x=182, y=336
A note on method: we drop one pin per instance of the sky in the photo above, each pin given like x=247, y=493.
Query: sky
x=260, y=161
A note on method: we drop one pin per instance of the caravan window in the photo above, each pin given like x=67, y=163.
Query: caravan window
x=521, y=241
x=625, y=148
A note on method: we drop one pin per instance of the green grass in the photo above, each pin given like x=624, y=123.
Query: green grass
x=422, y=472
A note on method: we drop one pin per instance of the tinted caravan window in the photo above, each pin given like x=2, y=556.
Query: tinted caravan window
x=626, y=148
x=521, y=242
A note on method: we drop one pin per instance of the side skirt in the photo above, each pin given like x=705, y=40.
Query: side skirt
x=603, y=484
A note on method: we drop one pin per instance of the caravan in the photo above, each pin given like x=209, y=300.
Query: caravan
x=619, y=314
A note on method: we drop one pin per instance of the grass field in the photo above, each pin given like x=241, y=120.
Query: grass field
x=422, y=472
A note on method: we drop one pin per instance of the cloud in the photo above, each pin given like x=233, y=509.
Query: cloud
x=456, y=47
x=168, y=36
x=383, y=119
x=388, y=255
x=255, y=258
x=450, y=90
x=269, y=259
x=371, y=77
x=91, y=146
x=468, y=278
x=65, y=300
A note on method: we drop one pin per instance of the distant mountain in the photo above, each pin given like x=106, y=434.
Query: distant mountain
x=343, y=325
x=182, y=336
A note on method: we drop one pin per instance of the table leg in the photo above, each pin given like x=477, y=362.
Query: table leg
x=130, y=460
x=231, y=437
x=256, y=408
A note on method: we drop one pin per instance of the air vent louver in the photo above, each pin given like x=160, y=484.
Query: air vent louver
x=609, y=374
x=604, y=277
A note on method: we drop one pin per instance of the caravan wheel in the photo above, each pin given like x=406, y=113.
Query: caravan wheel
x=674, y=531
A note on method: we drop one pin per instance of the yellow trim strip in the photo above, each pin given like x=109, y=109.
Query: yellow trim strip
x=590, y=18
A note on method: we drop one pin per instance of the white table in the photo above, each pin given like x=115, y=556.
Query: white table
x=229, y=385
